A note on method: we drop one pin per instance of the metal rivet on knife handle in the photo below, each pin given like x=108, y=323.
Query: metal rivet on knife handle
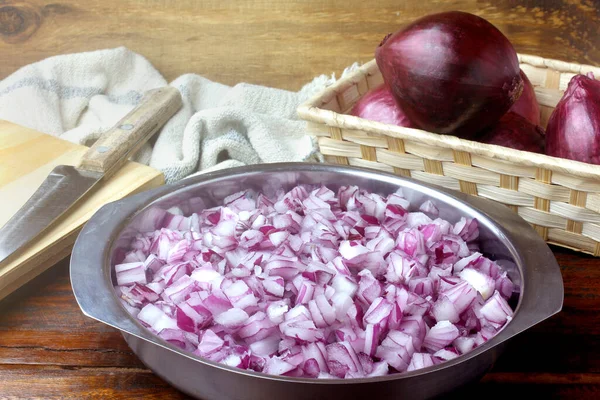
x=131, y=132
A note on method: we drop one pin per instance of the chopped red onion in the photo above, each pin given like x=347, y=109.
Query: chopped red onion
x=372, y=334
x=152, y=263
x=137, y=294
x=232, y=318
x=209, y=344
x=444, y=310
x=274, y=286
x=276, y=311
x=400, y=269
x=316, y=352
x=341, y=359
x=378, y=312
x=191, y=318
x=133, y=272
x=311, y=283
x=302, y=330
x=354, y=336
x=440, y=335
x=496, y=311
x=446, y=354
x=464, y=344
x=178, y=338
x=462, y=295
x=240, y=295
x=257, y=327
x=415, y=327
x=368, y=287
x=420, y=360
x=177, y=292
x=276, y=366
x=429, y=207
x=484, y=284
x=396, y=349
x=343, y=284
x=341, y=303
x=421, y=286
x=504, y=285
x=155, y=318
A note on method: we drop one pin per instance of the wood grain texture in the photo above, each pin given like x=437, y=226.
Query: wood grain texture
x=47, y=342
x=278, y=43
x=26, y=159
x=48, y=349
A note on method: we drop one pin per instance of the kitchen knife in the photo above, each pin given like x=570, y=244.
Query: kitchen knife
x=66, y=184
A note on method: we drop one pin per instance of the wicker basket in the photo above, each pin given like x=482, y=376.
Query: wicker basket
x=559, y=198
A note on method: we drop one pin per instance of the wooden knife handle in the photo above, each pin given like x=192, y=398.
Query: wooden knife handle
x=114, y=147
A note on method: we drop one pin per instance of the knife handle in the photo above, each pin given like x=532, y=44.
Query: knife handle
x=114, y=147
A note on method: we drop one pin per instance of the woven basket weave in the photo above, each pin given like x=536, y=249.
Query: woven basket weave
x=559, y=198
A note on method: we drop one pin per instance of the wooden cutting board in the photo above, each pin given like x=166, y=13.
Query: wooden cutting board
x=26, y=158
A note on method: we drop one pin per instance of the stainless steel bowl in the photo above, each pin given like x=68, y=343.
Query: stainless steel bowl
x=503, y=234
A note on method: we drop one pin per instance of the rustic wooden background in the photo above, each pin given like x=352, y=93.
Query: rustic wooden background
x=48, y=349
x=278, y=43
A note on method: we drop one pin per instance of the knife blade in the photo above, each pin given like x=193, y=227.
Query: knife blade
x=67, y=184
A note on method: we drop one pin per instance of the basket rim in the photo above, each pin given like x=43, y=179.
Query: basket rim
x=310, y=111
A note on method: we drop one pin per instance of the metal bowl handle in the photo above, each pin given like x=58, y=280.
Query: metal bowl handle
x=542, y=296
x=91, y=285
x=543, y=290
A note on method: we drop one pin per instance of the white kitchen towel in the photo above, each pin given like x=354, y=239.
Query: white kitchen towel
x=79, y=96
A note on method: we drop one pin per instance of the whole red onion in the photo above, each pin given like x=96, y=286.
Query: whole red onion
x=516, y=132
x=573, y=130
x=379, y=105
x=452, y=72
x=527, y=104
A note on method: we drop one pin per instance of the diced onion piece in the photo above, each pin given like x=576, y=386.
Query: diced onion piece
x=232, y=318
x=129, y=273
x=155, y=318
x=312, y=283
x=396, y=349
x=496, y=310
x=445, y=354
x=440, y=335
x=420, y=360
x=484, y=284
x=341, y=359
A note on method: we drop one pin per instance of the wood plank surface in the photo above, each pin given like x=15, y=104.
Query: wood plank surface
x=26, y=158
x=48, y=349
x=282, y=43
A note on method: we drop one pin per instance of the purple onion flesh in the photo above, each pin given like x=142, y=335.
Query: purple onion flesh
x=314, y=283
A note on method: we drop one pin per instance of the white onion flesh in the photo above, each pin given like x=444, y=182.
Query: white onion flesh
x=311, y=283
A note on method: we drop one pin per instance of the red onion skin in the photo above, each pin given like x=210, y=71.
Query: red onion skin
x=379, y=105
x=451, y=73
x=516, y=132
x=527, y=105
x=573, y=130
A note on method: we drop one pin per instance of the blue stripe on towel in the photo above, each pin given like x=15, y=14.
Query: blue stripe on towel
x=69, y=92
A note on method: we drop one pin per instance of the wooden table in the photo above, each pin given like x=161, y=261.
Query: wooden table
x=48, y=349
x=281, y=43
